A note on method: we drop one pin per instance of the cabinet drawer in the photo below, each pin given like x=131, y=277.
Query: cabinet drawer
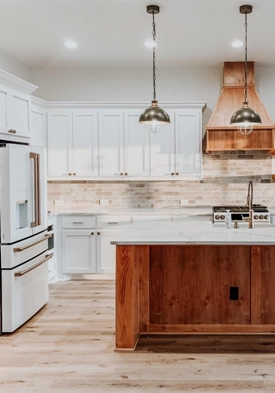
x=114, y=221
x=80, y=222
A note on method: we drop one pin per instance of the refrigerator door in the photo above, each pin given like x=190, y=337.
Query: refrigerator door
x=16, y=193
x=23, y=192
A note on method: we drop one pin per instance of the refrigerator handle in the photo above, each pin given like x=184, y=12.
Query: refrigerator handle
x=36, y=212
x=38, y=191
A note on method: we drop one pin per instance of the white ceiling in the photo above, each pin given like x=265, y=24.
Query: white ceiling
x=111, y=33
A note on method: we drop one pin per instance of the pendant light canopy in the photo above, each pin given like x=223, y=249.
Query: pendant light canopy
x=245, y=117
x=154, y=117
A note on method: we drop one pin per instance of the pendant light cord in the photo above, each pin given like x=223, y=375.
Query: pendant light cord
x=245, y=62
x=154, y=58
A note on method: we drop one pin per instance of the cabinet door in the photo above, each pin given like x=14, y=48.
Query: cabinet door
x=59, y=143
x=188, y=143
x=37, y=133
x=106, y=252
x=85, y=143
x=19, y=113
x=111, y=148
x=78, y=251
x=136, y=145
x=162, y=150
x=4, y=109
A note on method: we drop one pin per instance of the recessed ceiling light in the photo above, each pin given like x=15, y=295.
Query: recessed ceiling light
x=237, y=44
x=70, y=44
x=150, y=44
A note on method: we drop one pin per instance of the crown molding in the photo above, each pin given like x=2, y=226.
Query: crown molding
x=119, y=104
x=14, y=82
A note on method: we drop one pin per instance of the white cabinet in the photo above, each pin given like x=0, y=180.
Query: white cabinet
x=15, y=107
x=79, y=251
x=110, y=144
x=37, y=134
x=188, y=142
x=85, y=143
x=136, y=144
x=59, y=141
x=106, y=252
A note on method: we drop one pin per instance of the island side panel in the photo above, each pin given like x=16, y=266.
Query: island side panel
x=190, y=285
x=127, y=304
x=263, y=285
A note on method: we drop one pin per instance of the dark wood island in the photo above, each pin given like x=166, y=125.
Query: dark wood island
x=190, y=277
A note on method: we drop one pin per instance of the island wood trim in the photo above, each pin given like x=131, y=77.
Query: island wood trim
x=210, y=329
x=256, y=292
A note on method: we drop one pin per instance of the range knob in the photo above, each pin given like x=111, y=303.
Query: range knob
x=256, y=217
x=217, y=217
x=266, y=217
x=261, y=217
x=222, y=217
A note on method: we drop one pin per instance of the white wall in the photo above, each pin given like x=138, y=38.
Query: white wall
x=135, y=84
x=14, y=67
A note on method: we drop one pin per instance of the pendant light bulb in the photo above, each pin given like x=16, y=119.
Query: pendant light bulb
x=245, y=118
x=154, y=116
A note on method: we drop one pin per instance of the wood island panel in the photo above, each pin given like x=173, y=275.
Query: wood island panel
x=186, y=289
x=191, y=284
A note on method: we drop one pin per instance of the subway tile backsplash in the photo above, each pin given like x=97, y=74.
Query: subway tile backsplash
x=225, y=181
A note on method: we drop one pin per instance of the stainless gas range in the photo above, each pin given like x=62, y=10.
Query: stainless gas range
x=260, y=215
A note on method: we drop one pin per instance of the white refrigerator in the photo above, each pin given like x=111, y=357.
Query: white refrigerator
x=24, y=238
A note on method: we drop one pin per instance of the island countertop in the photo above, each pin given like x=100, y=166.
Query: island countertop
x=194, y=232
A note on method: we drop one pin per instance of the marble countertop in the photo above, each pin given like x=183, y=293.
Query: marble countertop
x=168, y=210
x=193, y=232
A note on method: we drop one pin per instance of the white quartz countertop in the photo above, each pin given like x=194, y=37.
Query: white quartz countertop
x=169, y=210
x=193, y=232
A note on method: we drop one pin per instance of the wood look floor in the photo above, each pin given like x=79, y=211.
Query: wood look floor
x=69, y=347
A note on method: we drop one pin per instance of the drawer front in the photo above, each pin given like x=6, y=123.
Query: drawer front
x=24, y=292
x=17, y=253
x=81, y=222
x=114, y=221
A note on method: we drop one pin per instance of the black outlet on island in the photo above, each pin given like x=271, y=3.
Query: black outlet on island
x=234, y=293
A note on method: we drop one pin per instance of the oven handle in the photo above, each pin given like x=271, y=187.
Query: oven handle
x=19, y=249
x=23, y=272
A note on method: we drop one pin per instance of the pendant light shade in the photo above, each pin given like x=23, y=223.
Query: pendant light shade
x=245, y=118
x=154, y=116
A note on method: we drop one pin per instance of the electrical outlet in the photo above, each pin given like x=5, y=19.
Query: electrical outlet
x=58, y=202
x=184, y=202
x=104, y=202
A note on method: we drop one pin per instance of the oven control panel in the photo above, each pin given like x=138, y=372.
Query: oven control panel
x=258, y=217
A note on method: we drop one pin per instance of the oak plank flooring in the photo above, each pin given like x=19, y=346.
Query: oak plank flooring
x=69, y=347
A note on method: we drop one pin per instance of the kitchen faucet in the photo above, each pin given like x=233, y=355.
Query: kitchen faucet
x=249, y=203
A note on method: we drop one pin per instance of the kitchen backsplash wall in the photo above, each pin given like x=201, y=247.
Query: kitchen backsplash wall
x=225, y=181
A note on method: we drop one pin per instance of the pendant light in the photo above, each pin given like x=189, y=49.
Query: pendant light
x=245, y=117
x=154, y=117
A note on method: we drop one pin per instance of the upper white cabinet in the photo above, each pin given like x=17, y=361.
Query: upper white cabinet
x=15, y=107
x=110, y=144
x=85, y=143
x=188, y=143
x=59, y=143
x=37, y=134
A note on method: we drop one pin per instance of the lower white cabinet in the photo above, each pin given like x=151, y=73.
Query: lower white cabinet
x=106, y=252
x=85, y=243
x=78, y=251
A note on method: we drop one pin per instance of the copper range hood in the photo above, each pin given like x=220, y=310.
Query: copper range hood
x=220, y=135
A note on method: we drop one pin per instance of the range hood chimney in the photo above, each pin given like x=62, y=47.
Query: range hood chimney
x=223, y=136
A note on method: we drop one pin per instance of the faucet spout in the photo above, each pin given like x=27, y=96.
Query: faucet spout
x=249, y=203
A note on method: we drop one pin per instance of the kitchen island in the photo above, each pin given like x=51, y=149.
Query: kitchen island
x=191, y=277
